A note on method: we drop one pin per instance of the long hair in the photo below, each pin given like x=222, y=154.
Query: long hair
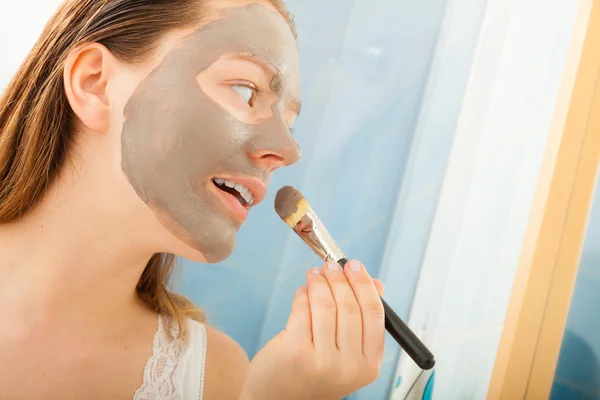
x=36, y=119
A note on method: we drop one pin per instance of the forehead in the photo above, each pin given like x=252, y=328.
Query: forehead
x=254, y=30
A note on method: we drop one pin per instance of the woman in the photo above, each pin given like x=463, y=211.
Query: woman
x=138, y=129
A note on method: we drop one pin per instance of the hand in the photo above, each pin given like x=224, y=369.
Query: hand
x=332, y=344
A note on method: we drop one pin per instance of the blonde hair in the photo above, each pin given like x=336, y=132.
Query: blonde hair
x=36, y=118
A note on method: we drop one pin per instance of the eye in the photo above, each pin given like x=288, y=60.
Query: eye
x=245, y=92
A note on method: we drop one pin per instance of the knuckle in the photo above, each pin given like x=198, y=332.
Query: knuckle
x=350, y=307
x=372, y=373
x=326, y=303
x=338, y=281
x=339, y=285
x=316, y=280
x=374, y=364
x=320, y=283
x=367, y=371
x=350, y=380
x=364, y=282
x=324, y=367
x=351, y=374
x=375, y=309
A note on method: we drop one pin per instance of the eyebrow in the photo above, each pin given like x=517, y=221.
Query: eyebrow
x=273, y=76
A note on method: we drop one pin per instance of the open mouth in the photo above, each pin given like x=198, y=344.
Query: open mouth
x=240, y=192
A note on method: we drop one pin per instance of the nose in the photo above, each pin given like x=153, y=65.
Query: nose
x=272, y=145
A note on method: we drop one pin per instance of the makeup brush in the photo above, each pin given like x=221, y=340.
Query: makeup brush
x=295, y=211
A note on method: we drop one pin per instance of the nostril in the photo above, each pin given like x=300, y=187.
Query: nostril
x=272, y=161
x=274, y=151
x=273, y=157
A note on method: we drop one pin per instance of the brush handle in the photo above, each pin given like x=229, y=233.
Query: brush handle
x=412, y=345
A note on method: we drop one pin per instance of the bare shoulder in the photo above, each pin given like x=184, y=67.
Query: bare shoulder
x=226, y=366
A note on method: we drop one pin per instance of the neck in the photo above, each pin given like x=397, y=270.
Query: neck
x=74, y=254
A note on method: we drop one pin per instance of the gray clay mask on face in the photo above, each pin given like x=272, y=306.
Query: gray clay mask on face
x=176, y=139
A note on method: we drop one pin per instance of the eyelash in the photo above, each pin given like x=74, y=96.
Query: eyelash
x=255, y=91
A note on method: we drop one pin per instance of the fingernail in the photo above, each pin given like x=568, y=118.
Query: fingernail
x=316, y=270
x=333, y=266
x=355, y=266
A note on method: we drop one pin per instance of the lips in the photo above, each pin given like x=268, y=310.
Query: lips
x=240, y=193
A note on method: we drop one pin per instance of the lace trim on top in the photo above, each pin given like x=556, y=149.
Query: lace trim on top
x=203, y=364
x=159, y=373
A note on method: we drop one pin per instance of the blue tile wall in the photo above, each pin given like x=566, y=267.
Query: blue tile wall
x=563, y=391
x=578, y=370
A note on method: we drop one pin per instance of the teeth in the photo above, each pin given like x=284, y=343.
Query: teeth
x=243, y=190
x=248, y=196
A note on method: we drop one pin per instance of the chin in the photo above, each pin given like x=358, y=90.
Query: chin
x=211, y=245
x=182, y=245
x=189, y=253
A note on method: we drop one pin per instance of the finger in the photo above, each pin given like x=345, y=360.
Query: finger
x=299, y=322
x=349, y=320
x=371, y=309
x=322, y=310
x=379, y=286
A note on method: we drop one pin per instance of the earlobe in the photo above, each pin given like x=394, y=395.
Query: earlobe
x=86, y=75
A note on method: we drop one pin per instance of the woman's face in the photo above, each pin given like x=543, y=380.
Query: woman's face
x=214, y=112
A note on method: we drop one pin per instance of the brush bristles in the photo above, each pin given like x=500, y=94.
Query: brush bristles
x=302, y=207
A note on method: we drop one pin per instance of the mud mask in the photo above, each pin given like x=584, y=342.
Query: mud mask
x=176, y=138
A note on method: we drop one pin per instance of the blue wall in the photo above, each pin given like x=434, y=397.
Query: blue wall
x=366, y=68
x=578, y=370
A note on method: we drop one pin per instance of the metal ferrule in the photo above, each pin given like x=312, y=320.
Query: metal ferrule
x=313, y=232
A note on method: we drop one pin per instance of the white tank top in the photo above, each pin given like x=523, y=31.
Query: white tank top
x=176, y=369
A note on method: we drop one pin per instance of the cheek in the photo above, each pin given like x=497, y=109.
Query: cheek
x=114, y=136
x=119, y=94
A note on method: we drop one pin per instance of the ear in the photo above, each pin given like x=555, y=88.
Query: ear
x=86, y=75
